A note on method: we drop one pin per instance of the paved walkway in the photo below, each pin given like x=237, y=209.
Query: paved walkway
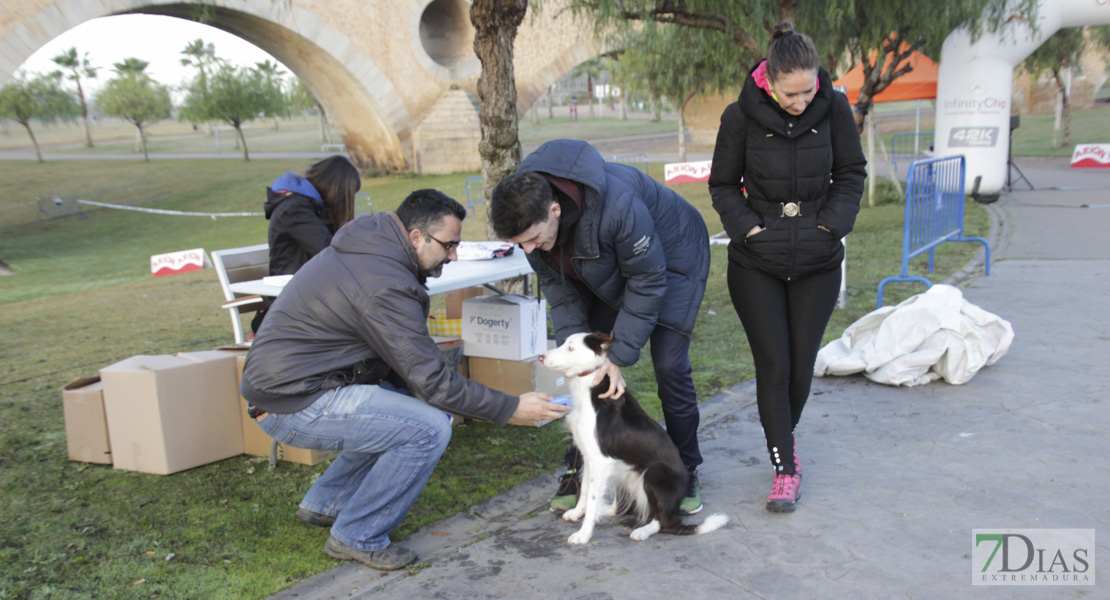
x=895, y=478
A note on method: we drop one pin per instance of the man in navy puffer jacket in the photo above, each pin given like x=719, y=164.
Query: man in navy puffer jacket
x=615, y=251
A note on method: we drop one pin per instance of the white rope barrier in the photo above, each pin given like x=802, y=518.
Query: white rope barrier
x=180, y=213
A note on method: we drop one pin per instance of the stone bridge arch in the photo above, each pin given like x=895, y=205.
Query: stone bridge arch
x=380, y=67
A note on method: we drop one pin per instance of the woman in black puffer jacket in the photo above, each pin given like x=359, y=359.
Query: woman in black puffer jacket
x=787, y=178
x=305, y=212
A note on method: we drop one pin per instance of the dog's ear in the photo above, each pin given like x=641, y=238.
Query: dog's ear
x=599, y=342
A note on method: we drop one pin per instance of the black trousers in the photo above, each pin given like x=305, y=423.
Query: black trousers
x=784, y=322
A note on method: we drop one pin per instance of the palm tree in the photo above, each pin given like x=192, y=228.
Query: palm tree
x=271, y=77
x=591, y=69
x=203, y=57
x=133, y=68
x=200, y=55
x=78, y=68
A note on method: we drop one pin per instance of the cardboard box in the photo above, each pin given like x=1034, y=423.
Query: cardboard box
x=517, y=377
x=453, y=300
x=170, y=413
x=257, y=443
x=509, y=326
x=86, y=425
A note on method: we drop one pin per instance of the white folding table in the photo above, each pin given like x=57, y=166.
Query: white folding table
x=456, y=276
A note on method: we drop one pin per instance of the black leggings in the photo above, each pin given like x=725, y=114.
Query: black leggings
x=784, y=321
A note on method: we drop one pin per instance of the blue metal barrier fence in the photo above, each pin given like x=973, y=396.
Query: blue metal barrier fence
x=910, y=146
x=934, y=214
x=640, y=161
x=475, y=193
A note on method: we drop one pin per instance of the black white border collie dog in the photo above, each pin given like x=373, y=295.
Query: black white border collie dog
x=621, y=447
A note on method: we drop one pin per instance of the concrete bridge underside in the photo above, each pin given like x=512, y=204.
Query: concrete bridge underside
x=378, y=66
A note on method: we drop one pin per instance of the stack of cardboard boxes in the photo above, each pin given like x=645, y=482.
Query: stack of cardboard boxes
x=166, y=413
x=503, y=337
x=162, y=414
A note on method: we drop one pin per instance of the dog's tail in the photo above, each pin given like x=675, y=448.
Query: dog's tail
x=712, y=523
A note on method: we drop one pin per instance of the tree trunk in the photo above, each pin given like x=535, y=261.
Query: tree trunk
x=1065, y=111
x=84, y=115
x=88, y=132
x=1066, y=108
x=788, y=10
x=682, y=127
x=142, y=138
x=325, y=129
x=590, y=94
x=624, y=106
x=242, y=138
x=38, y=153
x=138, y=139
x=550, y=104
x=871, y=163
x=495, y=25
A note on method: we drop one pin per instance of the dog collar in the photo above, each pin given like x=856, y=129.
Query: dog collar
x=585, y=373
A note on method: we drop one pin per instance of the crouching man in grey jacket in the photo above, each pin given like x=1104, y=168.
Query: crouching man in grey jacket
x=344, y=362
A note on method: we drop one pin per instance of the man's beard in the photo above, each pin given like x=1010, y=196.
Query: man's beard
x=435, y=271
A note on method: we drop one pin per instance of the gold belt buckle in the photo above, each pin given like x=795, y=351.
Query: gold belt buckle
x=791, y=209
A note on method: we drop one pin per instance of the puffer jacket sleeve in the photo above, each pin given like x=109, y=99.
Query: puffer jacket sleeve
x=643, y=265
x=394, y=318
x=568, y=310
x=849, y=169
x=727, y=174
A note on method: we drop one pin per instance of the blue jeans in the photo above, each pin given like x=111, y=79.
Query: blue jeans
x=388, y=444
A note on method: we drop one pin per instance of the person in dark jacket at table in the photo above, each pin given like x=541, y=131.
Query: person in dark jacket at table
x=615, y=251
x=787, y=178
x=344, y=362
x=305, y=212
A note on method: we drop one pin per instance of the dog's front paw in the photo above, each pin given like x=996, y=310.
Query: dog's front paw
x=642, y=533
x=579, y=538
x=573, y=515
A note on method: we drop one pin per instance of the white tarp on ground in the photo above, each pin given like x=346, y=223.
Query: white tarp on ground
x=933, y=335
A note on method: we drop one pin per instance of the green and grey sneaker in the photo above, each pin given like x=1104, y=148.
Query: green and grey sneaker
x=567, y=496
x=570, y=483
x=691, y=504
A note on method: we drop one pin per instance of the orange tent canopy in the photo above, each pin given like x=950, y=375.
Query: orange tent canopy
x=918, y=84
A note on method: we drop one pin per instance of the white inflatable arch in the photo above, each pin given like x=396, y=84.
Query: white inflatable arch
x=975, y=85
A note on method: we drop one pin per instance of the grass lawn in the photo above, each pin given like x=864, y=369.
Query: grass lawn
x=297, y=135
x=81, y=297
x=118, y=137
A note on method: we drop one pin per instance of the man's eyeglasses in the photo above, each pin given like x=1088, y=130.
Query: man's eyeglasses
x=447, y=246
